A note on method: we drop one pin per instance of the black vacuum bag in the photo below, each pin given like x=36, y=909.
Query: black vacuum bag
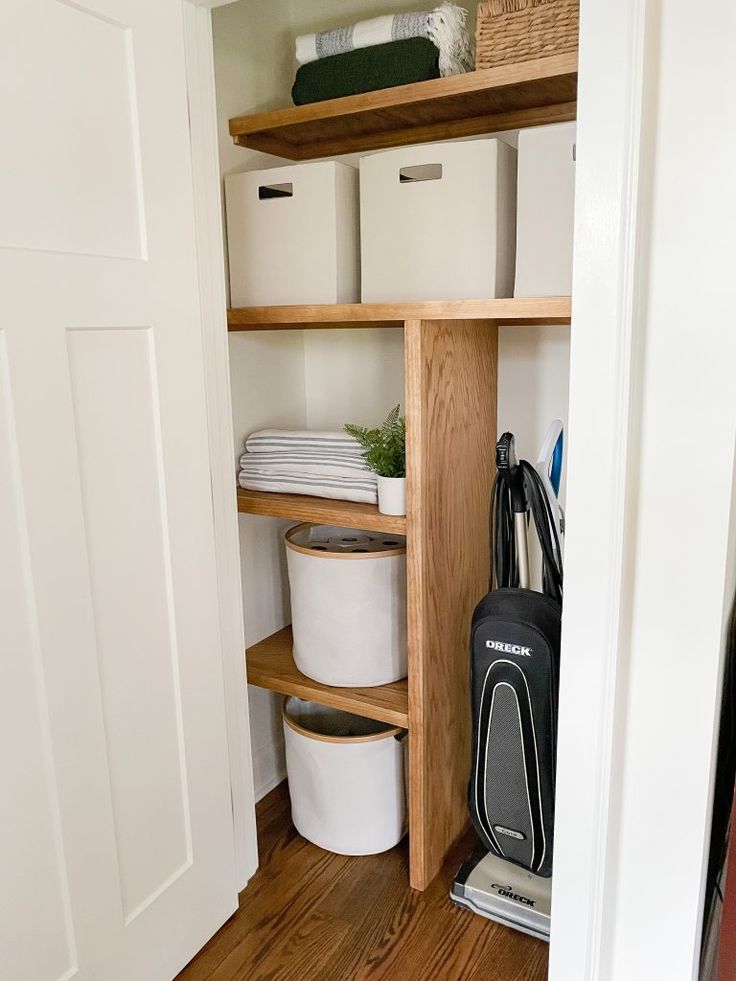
x=515, y=655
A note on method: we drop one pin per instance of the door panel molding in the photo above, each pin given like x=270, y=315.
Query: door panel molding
x=34, y=879
x=127, y=540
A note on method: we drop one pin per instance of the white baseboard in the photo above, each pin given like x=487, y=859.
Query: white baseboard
x=269, y=785
x=269, y=768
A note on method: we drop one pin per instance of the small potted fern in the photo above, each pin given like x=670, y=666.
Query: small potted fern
x=384, y=451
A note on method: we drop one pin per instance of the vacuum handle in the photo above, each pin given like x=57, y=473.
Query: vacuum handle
x=508, y=467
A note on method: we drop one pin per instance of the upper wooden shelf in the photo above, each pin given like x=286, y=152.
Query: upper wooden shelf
x=319, y=510
x=521, y=311
x=487, y=101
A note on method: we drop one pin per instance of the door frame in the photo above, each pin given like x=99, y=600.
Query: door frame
x=603, y=353
x=615, y=51
x=211, y=268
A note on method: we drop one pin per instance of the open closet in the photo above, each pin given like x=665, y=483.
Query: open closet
x=463, y=371
x=131, y=541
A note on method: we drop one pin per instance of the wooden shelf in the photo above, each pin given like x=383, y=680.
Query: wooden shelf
x=450, y=372
x=271, y=665
x=521, y=311
x=320, y=510
x=486, y=101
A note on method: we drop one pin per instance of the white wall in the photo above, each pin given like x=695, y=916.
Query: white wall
x=533, y=379
x=268, y=389
x=353, y=375
x=324, y=378
x=321, y=15
x=252, y=44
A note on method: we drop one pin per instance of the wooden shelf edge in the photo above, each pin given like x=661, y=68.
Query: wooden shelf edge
x=521, y=311
x=444, y=129
x=319, y=510
x=270, y=665
x=483, y=80
x=250, y=319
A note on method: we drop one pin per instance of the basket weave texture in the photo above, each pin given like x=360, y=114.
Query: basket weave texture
x=510, y=31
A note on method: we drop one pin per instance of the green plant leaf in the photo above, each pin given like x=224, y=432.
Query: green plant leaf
x=384, y=449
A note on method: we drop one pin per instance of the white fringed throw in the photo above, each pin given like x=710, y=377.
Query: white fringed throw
x=445, y=26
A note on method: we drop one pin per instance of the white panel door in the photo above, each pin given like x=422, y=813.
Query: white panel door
x=116, y=840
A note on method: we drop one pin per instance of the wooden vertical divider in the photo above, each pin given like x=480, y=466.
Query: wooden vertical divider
x=451, y=383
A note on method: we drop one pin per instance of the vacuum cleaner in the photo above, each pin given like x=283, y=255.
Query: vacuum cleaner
x=514, y=672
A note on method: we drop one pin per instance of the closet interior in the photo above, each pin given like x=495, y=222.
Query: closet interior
x=462, y=370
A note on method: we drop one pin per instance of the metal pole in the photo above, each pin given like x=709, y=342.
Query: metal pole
x=522, y=548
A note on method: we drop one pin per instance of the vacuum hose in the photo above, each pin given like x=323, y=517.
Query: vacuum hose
x=517, y=490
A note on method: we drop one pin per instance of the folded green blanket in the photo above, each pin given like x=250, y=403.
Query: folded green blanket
x=366, y=69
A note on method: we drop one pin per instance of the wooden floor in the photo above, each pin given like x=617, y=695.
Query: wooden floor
x=309, y=915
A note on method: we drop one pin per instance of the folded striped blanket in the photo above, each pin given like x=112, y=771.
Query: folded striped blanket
x=323, y=464
x=303, y=440
x=335, y=488
x=445, y=26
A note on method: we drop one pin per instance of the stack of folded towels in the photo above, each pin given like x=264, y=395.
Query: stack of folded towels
x=324, y=464
x=381, y=53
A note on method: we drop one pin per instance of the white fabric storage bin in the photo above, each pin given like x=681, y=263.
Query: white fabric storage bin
x=346, y=778
x=437, y=222
x=293, y=235
x=348, y=605
x=545, y=210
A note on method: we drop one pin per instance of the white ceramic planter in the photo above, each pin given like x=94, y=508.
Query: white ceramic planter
x=346, y=778
x=348, y=604
x=391, y=495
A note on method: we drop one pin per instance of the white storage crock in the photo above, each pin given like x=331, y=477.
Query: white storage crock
x=293, y=235
x=545, y=211
x=348, y=605
x=346, y=778
x=437, y=221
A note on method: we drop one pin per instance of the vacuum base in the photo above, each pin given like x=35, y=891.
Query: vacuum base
x=503, y=892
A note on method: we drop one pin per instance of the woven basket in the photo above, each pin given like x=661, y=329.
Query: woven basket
x=510, y=31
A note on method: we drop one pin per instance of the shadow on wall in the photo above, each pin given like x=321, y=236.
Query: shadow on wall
x=533, y=385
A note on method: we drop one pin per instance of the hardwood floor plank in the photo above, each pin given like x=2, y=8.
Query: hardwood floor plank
x=308, y=948
x=284, y=910
x=310, y=915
